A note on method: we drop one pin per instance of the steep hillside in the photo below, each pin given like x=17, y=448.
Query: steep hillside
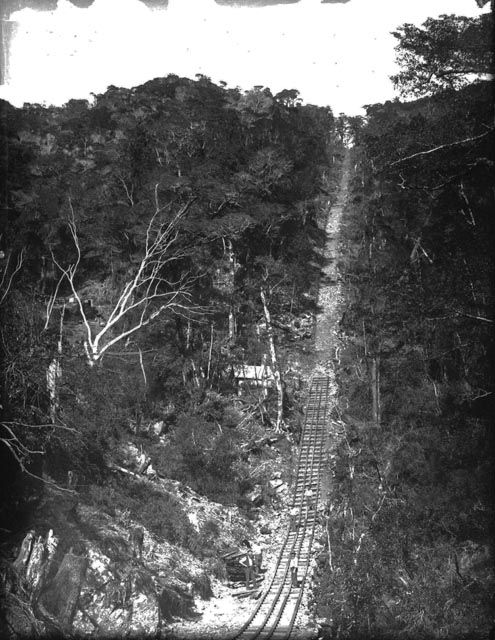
x=159, y=259
x=410, y=539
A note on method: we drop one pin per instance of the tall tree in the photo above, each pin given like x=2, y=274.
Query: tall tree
x=151, y=288
x=445, y=52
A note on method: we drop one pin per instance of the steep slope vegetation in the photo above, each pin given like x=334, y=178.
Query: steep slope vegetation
x=155, y=246
x=411, y=519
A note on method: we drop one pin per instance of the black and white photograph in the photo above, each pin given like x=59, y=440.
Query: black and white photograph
x=246, y=319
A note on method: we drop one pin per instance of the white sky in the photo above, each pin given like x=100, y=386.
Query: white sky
x=335, y=54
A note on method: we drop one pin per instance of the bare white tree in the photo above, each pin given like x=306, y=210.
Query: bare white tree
x=147, y=293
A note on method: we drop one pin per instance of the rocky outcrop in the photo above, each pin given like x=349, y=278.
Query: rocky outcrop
x=91, y=568
x=59, y=596
x=109, y=582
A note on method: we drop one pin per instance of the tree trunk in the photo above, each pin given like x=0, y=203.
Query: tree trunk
x=188, y=335
x=275, y=367
x=231, y=287
x=208, y=370
x=327, y=527
x=196, y=374
x=232, y=330
x=375, y=389
x=54, y=371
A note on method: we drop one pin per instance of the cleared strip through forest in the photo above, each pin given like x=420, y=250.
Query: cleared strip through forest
x=276, y=613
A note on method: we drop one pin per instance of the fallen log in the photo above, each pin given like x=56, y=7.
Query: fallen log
x=245, y=594
x=231, y=555
x=234, y=584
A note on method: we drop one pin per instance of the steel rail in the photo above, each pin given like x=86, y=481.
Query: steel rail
x=279, y=600
x=301, y=589
x=308, y=475
x=288, y=536
x=292, y=621
x=305, y=436
x=315, y=456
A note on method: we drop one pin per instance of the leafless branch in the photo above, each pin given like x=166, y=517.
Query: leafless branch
x=482, y=394
x=149, y=292
x=471, y=219
x=480, y=318
x=142, y=368
x=51, y=302
x=6, y=279
x=439, y=148
x=22, y=452
x=128, y=192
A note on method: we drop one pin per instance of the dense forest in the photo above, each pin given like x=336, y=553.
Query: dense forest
x=144, y=236
x=158, y=244
x=412, y=518
x=155, y=243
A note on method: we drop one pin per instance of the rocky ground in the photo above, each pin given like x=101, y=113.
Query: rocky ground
x=225, y=612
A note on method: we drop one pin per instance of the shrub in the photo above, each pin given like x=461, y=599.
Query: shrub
x=165, y=517
x=159, y=512
x=202, y=455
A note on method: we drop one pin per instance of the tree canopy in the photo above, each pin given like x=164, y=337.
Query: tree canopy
x=445, y=52
x=412, y=506
x=138, y=228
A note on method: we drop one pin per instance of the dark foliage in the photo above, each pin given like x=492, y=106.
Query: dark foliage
x=412, y=523
x=247, y=170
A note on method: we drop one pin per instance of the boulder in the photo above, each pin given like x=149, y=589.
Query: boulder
x=157, y=428
x=193, y=519
x=130, y=455
x=201, y=586
x=150, y=471
x=115, y=580
x=172, y=604
x=145, y=615
x=62, y=595
x=117, y=598
x=282, y=488
x=17, y=620
x=255, y=496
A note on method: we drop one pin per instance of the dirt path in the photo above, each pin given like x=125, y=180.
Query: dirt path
x=330, y=296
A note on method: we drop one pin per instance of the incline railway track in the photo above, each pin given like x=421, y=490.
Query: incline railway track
x=276, y=611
